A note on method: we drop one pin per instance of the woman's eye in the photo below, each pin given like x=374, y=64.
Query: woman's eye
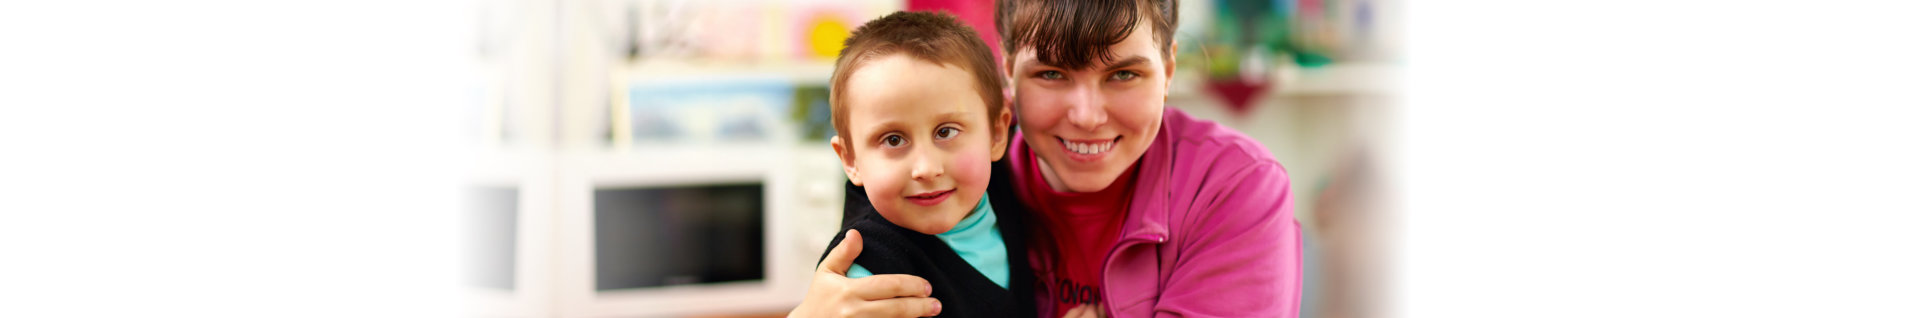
x=893, y=140
x=1052, y=75
x=946, y=132
x=1125, y=75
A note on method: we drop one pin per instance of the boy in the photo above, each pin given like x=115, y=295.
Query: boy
x=919, y=112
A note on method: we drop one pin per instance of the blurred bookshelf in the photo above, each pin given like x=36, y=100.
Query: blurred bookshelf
x=815, y=72
x=1333, y=80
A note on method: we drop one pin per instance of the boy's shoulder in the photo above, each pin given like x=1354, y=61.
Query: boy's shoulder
x=885, y=246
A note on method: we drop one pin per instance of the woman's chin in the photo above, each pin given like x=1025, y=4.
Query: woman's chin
x=1090, y=182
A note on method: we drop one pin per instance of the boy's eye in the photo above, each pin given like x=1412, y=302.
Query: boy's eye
x=1124, y=75
x=945, y=132
x=1052, y=75
x=893, y=140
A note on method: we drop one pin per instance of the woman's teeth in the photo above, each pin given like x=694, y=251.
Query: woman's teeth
x=1089, y=148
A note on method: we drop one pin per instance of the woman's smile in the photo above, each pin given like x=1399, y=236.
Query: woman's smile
x=1088, y=149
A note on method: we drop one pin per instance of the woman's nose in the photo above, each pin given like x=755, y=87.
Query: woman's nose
x=1086, y=109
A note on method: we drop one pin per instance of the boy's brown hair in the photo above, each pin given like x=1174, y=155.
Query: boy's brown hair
x=1072, y=33
x=938, y=38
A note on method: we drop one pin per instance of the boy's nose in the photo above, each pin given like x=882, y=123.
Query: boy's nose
x=927, y=166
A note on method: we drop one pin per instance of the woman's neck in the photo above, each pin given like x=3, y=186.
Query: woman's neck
x=1053, y=179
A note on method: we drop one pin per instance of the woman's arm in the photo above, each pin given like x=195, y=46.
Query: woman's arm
x=832, y=294
x=1239, y=253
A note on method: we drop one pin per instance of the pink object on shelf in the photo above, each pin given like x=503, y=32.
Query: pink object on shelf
x=976, y=13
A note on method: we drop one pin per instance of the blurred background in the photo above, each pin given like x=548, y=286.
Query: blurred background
x=669, y=158
x=583, y=158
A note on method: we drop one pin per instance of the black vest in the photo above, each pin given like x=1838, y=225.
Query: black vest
x=962, y=290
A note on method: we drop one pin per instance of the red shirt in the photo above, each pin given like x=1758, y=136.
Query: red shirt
x=1076, y=231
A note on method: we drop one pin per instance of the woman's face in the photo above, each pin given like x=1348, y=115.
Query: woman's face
x=1089, y=125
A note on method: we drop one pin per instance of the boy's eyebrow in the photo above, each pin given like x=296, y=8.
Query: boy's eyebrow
x=886, y=126
x=881, y=128
x=954, y=115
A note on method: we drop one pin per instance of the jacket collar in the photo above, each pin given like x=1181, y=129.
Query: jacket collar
x=1148, y=211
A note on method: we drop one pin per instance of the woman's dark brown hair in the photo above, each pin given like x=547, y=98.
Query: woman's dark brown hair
x=1074, y=33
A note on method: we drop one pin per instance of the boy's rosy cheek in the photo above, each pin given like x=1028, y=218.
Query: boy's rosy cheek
x=882, y=184
x=973, y=168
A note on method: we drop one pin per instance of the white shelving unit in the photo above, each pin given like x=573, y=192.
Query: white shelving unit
x=515, y=90
x=533, y=244
x=802, y=72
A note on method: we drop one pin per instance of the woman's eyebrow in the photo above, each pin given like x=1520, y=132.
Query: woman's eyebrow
x=1127, y=62
x=1036, y=62
x=1130, y=61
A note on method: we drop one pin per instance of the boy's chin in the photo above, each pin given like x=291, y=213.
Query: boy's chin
x=935, y=228
x=948, y=216
x=938, y=227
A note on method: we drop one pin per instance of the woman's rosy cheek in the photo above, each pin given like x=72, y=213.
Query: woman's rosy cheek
x=1038, y=112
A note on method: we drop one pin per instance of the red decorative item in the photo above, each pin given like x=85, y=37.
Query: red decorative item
x=1238, y=94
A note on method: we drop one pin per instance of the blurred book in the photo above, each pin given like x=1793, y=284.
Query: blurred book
x=707, y=110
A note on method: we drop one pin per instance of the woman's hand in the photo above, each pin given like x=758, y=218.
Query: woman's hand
x=1086, y=311
x=834, y=295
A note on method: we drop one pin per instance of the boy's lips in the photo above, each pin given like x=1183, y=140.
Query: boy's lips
x=930, y=198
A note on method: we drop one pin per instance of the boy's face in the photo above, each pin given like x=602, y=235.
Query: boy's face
x=1088, y=126
x=920, y=141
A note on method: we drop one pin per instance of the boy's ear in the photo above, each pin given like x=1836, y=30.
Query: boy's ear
x=1001, y=133
x=840, y=148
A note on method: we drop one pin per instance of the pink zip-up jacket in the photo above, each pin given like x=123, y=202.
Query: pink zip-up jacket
x=1210, y=231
